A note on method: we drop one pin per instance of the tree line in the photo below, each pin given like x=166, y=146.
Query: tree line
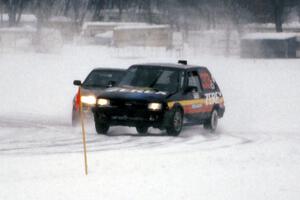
x=188, y=14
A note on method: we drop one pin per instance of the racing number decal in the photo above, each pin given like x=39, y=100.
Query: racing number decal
x=213, y=98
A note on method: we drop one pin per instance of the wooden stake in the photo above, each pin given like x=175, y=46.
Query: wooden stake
x=83, y=135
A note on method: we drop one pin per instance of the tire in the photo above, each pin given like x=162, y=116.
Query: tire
x=176, y=123
x=101, y=128
x=212, y=123
x=142, y=129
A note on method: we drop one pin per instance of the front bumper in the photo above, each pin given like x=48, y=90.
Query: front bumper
x=130, y=116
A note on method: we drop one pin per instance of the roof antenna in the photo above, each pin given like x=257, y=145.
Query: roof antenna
x=183, y=62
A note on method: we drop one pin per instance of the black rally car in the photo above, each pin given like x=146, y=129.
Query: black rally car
x=161, y=96
x=98, y=80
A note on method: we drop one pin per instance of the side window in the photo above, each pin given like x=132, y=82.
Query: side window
x=182, y=78
x=206, y=80
x=193, y=80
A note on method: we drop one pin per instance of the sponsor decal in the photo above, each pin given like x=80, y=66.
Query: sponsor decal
x=196, y=106
x=141, y=91
x=196, y=95
x=202, y=105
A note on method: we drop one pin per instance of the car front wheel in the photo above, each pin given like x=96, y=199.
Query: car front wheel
x=101, y=126
x=176, y=123
x=142, y=129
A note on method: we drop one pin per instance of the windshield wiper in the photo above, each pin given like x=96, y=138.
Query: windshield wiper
x=155, y=80
x=90, y=85
x=155, y=89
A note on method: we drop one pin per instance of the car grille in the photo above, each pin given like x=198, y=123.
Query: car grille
x=121, y=104
x=128, y=109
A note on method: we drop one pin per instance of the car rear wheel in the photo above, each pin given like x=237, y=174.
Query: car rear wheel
x=176, y=123
x=142, y=129
x=212, y=122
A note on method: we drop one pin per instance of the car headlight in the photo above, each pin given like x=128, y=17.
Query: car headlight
x=154, y=106
x=91, y=100
x=103, y=102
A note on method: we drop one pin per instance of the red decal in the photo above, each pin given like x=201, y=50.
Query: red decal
x=77, y=100
x=206, y=81
x=190, y=110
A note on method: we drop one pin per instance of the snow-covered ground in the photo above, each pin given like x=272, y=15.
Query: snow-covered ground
x=254, y=155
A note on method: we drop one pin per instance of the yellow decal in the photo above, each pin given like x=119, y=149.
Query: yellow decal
x=202, y=101
x=186, y=102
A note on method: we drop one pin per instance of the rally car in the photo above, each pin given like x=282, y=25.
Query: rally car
x=164, y=96
x=97, y=80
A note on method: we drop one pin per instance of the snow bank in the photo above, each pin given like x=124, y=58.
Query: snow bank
x=110, y=24
x=270, y=27
x=141, y=26
x=270, y=36
x=24, y=17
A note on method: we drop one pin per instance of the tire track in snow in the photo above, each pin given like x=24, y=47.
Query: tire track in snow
x=25, y=137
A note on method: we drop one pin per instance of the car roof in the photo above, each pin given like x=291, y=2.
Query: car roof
x=170, y=65
x=109, y=69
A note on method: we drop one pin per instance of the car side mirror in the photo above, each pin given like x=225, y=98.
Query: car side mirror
x=77, y=82
x=111, y=83
x=191, y=89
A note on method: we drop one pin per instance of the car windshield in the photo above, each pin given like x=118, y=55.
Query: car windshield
x=102, y=78
x=160, y=79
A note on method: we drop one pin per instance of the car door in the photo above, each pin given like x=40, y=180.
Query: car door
x=209, y=93
x=194, y=99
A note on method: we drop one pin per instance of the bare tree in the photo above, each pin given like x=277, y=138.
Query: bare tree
x=80, y=8
x=43, y=10
x=278, y=6
x=96, y=7
x=67, y=7
x=1, y=11
x=15, y=9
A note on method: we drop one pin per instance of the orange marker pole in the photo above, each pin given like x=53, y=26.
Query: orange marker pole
x=83, y=135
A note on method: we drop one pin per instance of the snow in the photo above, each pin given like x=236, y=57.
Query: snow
x=255, y=153
x=111, y=24
x=141, y=26
x=107, y=34
x=270, y=36
x=294, y=24
x=24, y=17
x=60, y=19
x=102, y=24
x=24, y=29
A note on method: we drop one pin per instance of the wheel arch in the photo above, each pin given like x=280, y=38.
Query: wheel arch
x=217, y=108
x=178, y=106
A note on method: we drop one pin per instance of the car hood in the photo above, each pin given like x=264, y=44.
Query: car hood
x=134, y=93
x=91, y=91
